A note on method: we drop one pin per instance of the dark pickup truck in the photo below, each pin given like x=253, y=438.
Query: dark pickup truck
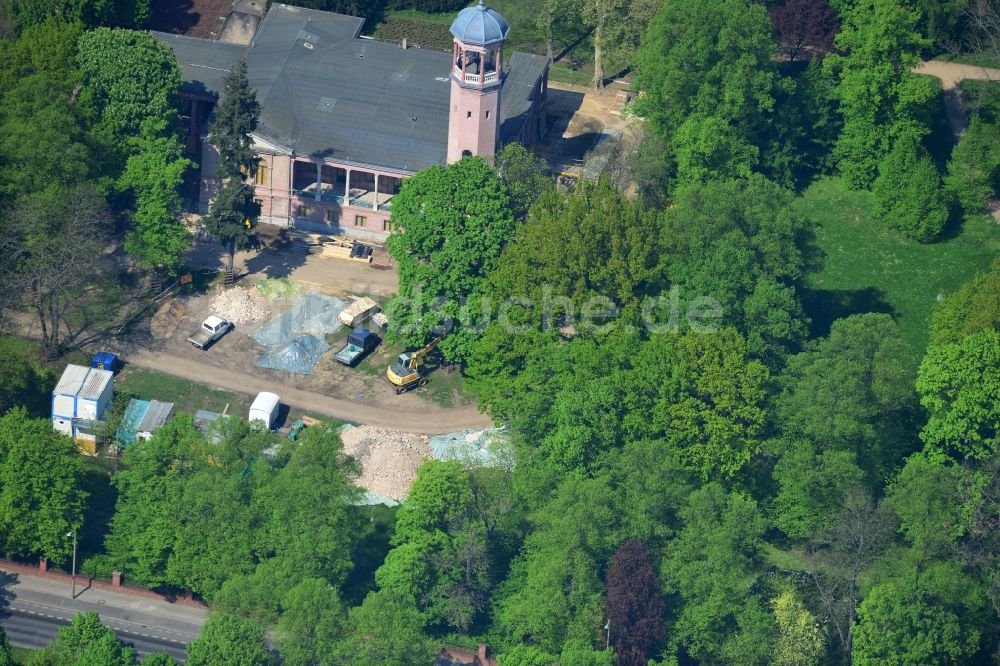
x=358, y=344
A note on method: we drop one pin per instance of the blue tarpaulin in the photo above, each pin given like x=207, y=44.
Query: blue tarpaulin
x=130, y=422
x=299, y=355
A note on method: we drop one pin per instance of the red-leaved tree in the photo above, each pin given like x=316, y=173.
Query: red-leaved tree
x=805, y=27
x=634, y=604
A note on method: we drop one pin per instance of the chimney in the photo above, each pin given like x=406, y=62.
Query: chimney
x=403, y=44
x=481, y=655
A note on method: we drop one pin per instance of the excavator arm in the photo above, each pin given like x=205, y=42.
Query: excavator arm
x=415, y=357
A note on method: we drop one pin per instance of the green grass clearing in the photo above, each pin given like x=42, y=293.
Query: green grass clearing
x=188, y=396
x=21, y=655
x=869, y=268
x=979, y=59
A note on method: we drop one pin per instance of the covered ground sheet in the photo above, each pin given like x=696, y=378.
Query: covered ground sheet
x=296, y=339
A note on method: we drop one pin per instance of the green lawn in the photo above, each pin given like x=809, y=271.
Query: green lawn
x=980, y=59
x=870, y=268
x=188, y=396
x=21, y=655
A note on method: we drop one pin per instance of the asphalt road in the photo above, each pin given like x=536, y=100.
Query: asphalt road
x=32, y=609
x=36, y=630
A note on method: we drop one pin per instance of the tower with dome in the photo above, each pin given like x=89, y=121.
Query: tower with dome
x=346, y=118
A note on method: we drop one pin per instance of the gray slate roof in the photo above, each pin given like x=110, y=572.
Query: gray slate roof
x=327, y=93
x=479, y=25
x=205, y=62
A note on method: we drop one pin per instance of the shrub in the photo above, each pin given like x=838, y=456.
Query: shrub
x=973, y=167
x=908, y=192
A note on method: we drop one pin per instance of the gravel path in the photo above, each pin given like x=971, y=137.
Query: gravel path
x=429, y=419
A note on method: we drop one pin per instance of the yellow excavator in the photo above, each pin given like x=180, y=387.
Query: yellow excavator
x=404, y=374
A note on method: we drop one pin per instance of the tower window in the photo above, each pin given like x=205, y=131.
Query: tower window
x=468, y=114
x=487, y=114
x=466, y=153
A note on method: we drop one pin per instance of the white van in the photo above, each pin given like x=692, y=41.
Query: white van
x=264, y=409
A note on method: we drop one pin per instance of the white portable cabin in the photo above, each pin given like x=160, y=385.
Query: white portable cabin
x=81, y=397
x=265, y=409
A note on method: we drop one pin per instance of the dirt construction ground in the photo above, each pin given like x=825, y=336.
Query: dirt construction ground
x=357, y=395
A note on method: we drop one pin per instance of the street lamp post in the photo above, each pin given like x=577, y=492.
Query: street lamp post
x=74, y=562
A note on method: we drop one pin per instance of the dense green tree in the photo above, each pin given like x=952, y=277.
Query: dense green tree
x=232, y=217
x=974, y=166
x=41, y=487
x=525, y=175
x=47, y=48
x=159, y=659
x=236, y=118
x=582, y=653
x=5, y=658
x=154, y=173
x=307, y=507
x=959, y=384
x=800, y=638
x=233, y=213
x=386, y=630
x=708, y=59
x=452, y=224
x=24, y=379
x=710, y=148
x=713, y=567
x=592, y=243
x=852, y=391
x=126, y=13
x=703, y=395
x=553, y=593
x=973, y=308
x=927, y=498
x=811, y=486
x=312, y=621
x=85, y=642
x=134, y=78
x=440, y=555
x=879, y=96
x=918, y=619
x=143, y=528
x=525, y=655
x=43, y=138
x=908, y=192
x=228, y=640
x=740, y=243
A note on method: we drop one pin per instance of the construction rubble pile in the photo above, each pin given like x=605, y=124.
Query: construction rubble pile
x=389, y=459
x=239, y=306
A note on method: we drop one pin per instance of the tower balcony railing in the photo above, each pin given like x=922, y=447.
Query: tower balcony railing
x=489, y=77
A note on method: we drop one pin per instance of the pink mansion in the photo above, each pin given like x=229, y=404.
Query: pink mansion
x=344, y=119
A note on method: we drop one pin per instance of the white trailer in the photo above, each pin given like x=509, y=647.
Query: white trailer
x=80, y=399
x=264, y=409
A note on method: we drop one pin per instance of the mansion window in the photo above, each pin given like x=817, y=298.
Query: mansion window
x=303, y=211
x=332, y=217
x=261, y=173
x=387, y=225
x=360, y=220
